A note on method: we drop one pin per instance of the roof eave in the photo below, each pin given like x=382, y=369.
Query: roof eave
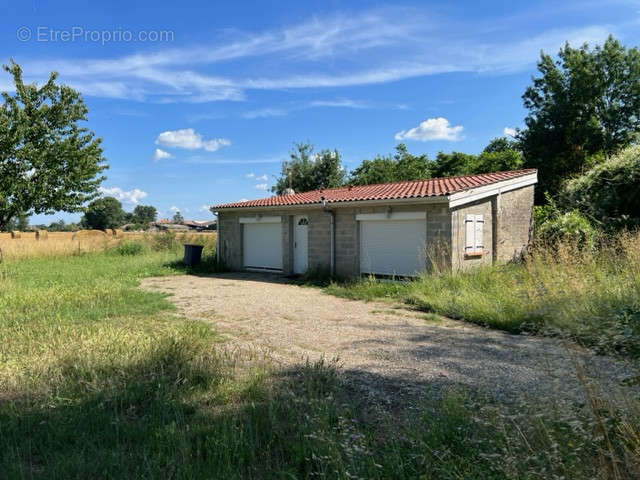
x=343, y=204
x=496, y=188
x=454, y=200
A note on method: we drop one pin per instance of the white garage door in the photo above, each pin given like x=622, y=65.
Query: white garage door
x=392, y=247
x=262, y=245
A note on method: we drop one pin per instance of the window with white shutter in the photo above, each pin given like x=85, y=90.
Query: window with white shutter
x=474, y=233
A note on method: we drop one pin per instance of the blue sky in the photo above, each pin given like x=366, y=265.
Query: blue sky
x=198, y=102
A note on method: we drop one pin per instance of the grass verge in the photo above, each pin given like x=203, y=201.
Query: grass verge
x=590, y=296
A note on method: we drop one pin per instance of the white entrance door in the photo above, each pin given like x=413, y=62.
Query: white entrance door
x=392, y=247
x=300, y=244
x=262, y=245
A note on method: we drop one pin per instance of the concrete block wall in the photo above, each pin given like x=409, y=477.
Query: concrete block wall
x=458, y=216
x=319, y=240
x=514, y=222
x=507, y=218
x=347, y=263
x=287, y=243
x=230, y=240
x=230, y=232
x=437, y=228
x=438, y=248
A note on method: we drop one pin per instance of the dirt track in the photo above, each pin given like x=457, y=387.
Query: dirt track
x=387, y=348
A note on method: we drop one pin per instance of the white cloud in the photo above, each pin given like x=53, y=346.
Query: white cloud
x=282, y=111
x=174, y=209
x=189, y=139
x=262, y=186
x=130, y=196
x=339, y=103
x=160, y=154
x=265, y=113
x=509, y=132
x=254, y=176
x=205, y=208
x=432, y=129
x=243, y=200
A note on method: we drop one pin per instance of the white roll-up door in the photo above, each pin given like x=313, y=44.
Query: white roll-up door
x=392, y=246
x=262, y=245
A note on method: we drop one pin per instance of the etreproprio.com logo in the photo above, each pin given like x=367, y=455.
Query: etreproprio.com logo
x=44, y=34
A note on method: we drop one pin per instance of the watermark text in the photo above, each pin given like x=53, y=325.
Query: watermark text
x=44, y=34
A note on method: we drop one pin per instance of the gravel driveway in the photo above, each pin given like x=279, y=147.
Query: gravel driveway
x=390, y=350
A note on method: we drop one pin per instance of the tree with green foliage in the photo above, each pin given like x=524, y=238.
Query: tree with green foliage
x=103, y=213
x=582, y=108
x=452, y=164
x=61, y=226
x=501, y=144
x=48, y=161
x=19, y=223
x=500, y=155
x=306, y=170
x=383, y=169
x=178, y=219
x=144, y=214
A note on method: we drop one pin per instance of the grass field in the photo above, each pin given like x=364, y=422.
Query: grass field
x=99, y=379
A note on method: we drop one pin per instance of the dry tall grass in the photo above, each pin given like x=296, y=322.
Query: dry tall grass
x=55, y=244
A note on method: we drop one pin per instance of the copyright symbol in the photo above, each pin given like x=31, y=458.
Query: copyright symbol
x=23, y=34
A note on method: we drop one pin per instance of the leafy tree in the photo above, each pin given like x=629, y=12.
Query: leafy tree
x=451, y=164
x=501, y=144
x=178, y=218
x=497, y=161
x=103, y=213
x=61, y=226
x=144, y=214
x=48, y=162
x=583, y=108
x=401, y=166
x=306, y=171
x=19, y=223
x=58, y=226
x=408, y=166
x=379, y=170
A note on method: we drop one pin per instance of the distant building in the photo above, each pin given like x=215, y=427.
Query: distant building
x=200, y=226
x=165, y=224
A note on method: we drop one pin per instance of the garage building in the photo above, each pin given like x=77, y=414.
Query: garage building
x=392, y=229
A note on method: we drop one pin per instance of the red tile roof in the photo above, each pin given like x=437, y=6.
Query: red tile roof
x=431, y=187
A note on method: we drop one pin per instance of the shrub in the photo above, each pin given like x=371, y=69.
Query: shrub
x=609, y=193
x=131, y=248
x=554, y=226
x=571, y=227
x=165, y=241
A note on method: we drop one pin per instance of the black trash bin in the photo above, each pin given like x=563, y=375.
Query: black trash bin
x=192, y=254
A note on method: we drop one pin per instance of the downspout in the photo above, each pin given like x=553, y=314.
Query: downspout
x=332, y=255
x=218, y=239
